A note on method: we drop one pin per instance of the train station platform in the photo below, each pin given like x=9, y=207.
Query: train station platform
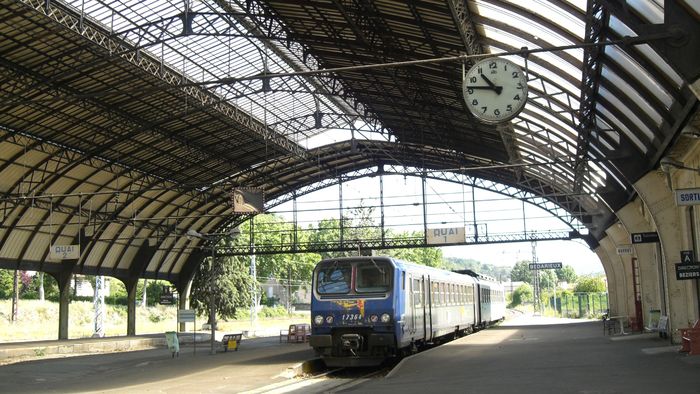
x=258, y=362
x=541, y=355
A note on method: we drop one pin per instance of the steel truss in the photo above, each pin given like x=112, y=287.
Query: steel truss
x=386, y=243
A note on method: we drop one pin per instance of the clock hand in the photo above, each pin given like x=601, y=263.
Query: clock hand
x=491, y=84
x=484, y=87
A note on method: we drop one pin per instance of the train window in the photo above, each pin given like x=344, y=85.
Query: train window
x=442, y=294
x=373, y=277
x=453, y=299
x=434, y=298
x=403, y=280
x=333, y=277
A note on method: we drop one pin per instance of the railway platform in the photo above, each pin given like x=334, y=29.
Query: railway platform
x=257, y=363
x=541, y=355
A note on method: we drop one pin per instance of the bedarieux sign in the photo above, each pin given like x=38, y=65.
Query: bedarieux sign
x=687, y=197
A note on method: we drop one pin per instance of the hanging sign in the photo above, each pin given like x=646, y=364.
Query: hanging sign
x=64, y=252
x=687, y=197
x=247, y=200
x=545, y=266
x=687, y=271
x=686, y=257
x=642, y=238
x=440, y=236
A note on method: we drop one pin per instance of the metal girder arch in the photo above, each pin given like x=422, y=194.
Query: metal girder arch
x=256, y=13
x=529, y=197
x=67, y=18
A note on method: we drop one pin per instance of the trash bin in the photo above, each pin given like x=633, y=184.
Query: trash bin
x=173, y=343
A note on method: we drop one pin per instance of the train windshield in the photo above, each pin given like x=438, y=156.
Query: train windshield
x=334, y=278
x=373, y=277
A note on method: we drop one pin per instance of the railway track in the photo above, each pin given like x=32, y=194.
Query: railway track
x=330, y=381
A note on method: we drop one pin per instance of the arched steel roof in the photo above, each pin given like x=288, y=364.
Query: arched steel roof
x=123, y=124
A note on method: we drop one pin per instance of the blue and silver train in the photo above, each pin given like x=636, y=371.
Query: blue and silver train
x=365, y=310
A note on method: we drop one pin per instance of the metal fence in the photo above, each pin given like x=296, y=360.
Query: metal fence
x=579, y=305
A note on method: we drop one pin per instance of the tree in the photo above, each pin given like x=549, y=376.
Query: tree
x=521, y=272
x=566, y=274
x=590, y=284
x=522, y=295
x=232, y=286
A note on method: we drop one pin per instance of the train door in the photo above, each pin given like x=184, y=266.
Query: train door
x=429, y=309
x=410, y=309
x=477, y=304
x=419, y=306
x=425, y=287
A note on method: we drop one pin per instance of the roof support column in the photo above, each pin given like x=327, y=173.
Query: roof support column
x=633, y=220
x=619, y=237
x=183, y=302
x=63, y=280
x=616, y=289
x=674, y=237
x=131, y=287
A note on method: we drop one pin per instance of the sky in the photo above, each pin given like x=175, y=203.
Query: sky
x=450, y=205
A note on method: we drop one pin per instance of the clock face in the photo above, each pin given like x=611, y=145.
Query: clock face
x=495, y=90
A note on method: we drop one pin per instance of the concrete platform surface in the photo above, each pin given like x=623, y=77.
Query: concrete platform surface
x=532, y=355
x=258, y=362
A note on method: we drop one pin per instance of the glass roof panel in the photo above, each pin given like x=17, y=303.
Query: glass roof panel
x=617, y=102
x=545, y=57
x=640, y=74
x=550, y=11
x=621, y=126
x=493, y=12
x=623, y=30
x=651, y=10
x=631, y=93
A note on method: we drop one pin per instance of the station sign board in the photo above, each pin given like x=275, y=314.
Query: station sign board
x=624, y=250
x=64, y=252
x=643, y=238
x=687, y=257
x=687, y=197
x=167, y=299
x=688, y=271
x=440, y=236
x=185, y=316
x=545, y=266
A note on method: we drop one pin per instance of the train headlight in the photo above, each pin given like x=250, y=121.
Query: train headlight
x=386, y=318
x=374, y=318
x=318, y=319
x=329, y=319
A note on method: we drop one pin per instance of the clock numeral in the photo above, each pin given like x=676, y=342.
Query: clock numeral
x=472, y=79
x=470, y=91
x=520, y=85
x=496, y=111
x=493, y=65
x=509, y=108
x=516, y=97
x=483, y=109
x=475, y=102
x=479, y=70
x=515, y=74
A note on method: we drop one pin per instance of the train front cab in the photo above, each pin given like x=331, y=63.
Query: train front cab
x=352, y=309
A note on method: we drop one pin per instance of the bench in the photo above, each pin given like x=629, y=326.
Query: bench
x=690, y=339
x=231, y=341
x=296, y=333
x=661, y=326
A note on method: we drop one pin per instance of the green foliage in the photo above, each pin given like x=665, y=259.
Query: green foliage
x=521, y=272
x=522, y=295
x=566, y=274
x=232, y=286
x=431, y=257
x=6, y=279
x=590, y=284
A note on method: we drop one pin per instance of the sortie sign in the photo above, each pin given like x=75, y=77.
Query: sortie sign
x=687, y=197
